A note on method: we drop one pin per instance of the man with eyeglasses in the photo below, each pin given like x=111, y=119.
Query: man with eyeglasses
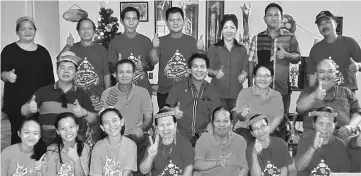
x=63, y=96
x=278, y=47
x=326, y=93
x=344, y=51
x=267, y=154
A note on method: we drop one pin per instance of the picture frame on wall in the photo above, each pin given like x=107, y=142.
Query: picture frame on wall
x=160, y=7
x=339, y=23
x=214, y=14
x=190, y=9
x=141, y=6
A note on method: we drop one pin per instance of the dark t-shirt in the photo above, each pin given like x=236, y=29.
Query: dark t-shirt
x=271, y=159
x=172, y=159
x=134, y=49
x=332, y=157
x=173, y=60
x=354, y=154
x=34, y=69
x=91, y=70
x=340, y=52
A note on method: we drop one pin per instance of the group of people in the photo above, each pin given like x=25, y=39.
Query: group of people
x=82, y=125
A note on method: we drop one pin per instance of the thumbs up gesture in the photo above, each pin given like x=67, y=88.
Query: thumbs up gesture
x=78, y=110
x=219, y=73
x=11, y=76
x=178, y=113
x=353, y=67
x=40, y=163
x=242, y=77
x=139, y=65
x=223, y=160
x=155, y=41
x=153, y=148
x=320, y=93
x=71, y=152
x=70, y=40
x=200, y=43
x=33, y=106
x=281, y=53
x=119, y=56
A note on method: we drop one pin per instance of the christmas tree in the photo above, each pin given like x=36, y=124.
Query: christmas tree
x=107, y=27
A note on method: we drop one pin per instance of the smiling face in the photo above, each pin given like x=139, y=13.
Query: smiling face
x=222, y=123
x=263, y=78
x=125, y=73
x=229, y=30
x=66, y=71
x=325, y=126
x=130, y=21
x=26, y=31
x=175, y=22
x=86, y=30
x=30, y=133
x=326, y=26
x=112, y=124
x=326, y=73
x=67, y=129
x=273, y=18
x=260, y=130
x=166, y=127
x=198, y=69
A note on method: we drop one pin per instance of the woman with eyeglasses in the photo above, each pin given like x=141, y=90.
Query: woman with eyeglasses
x=260, y=98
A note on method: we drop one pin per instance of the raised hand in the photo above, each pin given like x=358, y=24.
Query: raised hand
x=178, y=113
x=242, y=77
x=317, y=143
x=33, y=106
x=200, y=43
x=39, y=164
x=219, y=73
x=320, y=93
x=139, y=65
x=78, y=110
x=353, y=67
x=70, y=40
x=153, y=148
x=344, y=131
x=155, y=40
x=12, y=76
x=119, y=56
x=245, y=110
x=223, y=160
x=71, y=152
x=281, y=53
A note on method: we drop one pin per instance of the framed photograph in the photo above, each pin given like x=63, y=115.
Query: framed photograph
x=160, y=7
x=190, y=10
x=214, y=14
x=141, y=6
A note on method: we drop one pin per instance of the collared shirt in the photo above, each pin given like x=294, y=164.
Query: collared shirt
x=132, y=107
x=208, y=148
x=263, y=51
x=343, y=101
x=271, y=106
x=197, y=106
x=234, y=62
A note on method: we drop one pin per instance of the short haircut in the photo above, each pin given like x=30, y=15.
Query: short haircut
x=198, y=56
x=228, y=17
x=221, y=108
x=174, y=10
x=18, y=25
x=129, y=9
x=83, y=19
x=324, y=109
x=58, y=64
x=164, y=111
x=253, y=117
x=116, y=111
x=124, y=61
x=273, y=5
x=325, y=60
x=267, y=66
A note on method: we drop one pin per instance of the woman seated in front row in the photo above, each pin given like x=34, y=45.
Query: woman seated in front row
x=259, y=99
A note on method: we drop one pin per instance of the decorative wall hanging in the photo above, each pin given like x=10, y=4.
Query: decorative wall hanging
x=190, y=10
x=141, y=6
x=74, y=15
x=339, y=27
x=214, y=14
x=160, y=7
x=245, y=39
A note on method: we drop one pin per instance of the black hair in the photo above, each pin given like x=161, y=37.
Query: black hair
x=174, y=10
x=83, y=19
x=198, y=56
x=58, y=64
x=267, y=66
x=18, y=25
x=228, y=17
x=163, y=111
x=273, y=5
x=124, y=61
x=221, y=108
x=39, y=147
x=253, y=117
x=116, y=111
x=324, y=109
x=59, y=141
x=129, y=9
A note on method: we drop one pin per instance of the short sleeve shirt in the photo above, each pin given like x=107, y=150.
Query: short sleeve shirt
x=355, y=156
x=208, y=148
x=272, y=106
x=172, y=159
x=108, y=160
x=272, y=158
x=340, y=52
x=331, y=157
x=132, y=108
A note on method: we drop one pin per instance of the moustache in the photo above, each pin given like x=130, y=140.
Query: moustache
x=325, y=29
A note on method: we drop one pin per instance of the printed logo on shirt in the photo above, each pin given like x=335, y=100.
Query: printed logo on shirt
x=321, y=170
x=271, y=170
x=339, y=79
x=138, y=75
x=22, y=170
x=176, y=67
x=112, y=167
x=66, y=169
x=171, y=169
x=86, y=77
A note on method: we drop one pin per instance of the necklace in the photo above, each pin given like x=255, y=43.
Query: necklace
x=106, y=142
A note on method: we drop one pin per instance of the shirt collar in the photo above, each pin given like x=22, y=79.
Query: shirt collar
x=132, y=92
x=281, y=32
x=270, y=92
x=216, y=143
x=191, y=83
x=330, y=93
x=73, y=88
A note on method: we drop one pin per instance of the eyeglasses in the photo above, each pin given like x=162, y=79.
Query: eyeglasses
x=264, y=76
x=263, y=127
